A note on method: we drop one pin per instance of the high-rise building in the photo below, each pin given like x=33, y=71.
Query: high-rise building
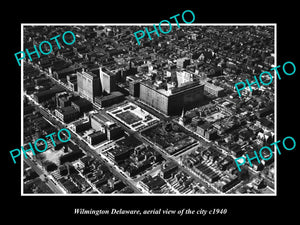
x=134, y=85
x=134, y=88
x=89, y=85
x=108, y=80
x=169, y=99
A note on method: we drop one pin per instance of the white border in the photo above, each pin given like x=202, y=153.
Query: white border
x=22, y=113
x=149, y=24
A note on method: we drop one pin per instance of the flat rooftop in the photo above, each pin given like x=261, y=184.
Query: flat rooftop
x=173, y=90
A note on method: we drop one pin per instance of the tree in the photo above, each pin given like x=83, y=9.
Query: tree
x=51, y=167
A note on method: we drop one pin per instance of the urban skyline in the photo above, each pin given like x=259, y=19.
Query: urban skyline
x=157, y=118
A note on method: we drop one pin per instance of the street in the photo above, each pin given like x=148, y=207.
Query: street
x=99, y=155
x=58, y=124
x=40, y=172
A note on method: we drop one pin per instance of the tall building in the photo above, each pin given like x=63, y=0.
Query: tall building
x=134, y=85
x=89, y=85
x=169, y=99
x=134, y=88
x=108, y=80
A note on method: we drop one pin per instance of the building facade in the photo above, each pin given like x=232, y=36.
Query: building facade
x=113, y=98
x=171, y=101
x=67, y=114
x=214, y=90
x=88, y=85
x=97, y=123
x=96, y=137
x=108, y=80
x=184, y=77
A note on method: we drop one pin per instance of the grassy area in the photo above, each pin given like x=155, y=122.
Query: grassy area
x=128, y=117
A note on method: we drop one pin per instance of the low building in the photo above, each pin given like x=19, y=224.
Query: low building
x=225, y=163
x=113, y=98
x=183, y=62
x=211, y=134
x=67, y=114
x=47, y=94
x=98, y=122
x=64, y=99
x=64, y=72
x=79, y=181
x=265, y=123
x=63, y=102
x=69, y=186
x=80, y=126
x=202, y=128
x=258, y=166
x=82, y=105
x=72, y=82
x=87, y=160
x=213, y=90
x=206, y=172
x=265, y=111
x=96, y=137
x=258, y=183
x=231, y=184
x=235, y=150
x=119, y=154
x=169, y=169
x=153, y=183
x=133, y=170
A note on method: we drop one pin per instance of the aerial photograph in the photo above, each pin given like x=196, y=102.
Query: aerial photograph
x=162, y=117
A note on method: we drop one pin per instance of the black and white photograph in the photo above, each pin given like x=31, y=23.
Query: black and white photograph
x=131, y=112
x=162, y=117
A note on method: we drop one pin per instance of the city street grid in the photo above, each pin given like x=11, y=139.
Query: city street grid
x=145, y=24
